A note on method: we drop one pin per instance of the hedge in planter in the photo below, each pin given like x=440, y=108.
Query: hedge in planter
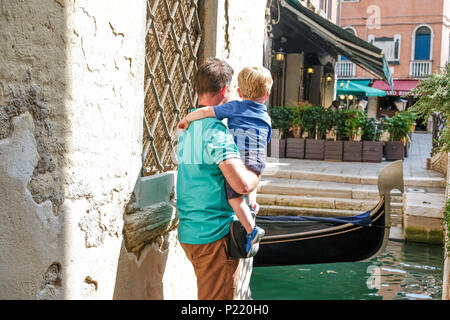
x=372, y=150
x=398, y=127
x=314, y=122
x=295, y=146
x=352, y=123
x=282, y=120
x=333, y=148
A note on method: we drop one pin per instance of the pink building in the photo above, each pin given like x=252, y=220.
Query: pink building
x=414, y=36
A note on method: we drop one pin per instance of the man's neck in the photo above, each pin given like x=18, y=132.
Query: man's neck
x=210, y=100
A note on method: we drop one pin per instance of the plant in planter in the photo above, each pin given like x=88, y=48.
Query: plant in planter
x=372, y=150
x=313, y=122
x=352, y=121
x=281, y=124
x=333, y=147
x=398, y=128
x=295, y=146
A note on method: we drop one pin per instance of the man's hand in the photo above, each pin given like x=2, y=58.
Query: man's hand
x=183, y=124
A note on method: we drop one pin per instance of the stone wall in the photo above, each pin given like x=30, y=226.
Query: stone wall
x=446, y=274
x=71, y=108
x=71, y=115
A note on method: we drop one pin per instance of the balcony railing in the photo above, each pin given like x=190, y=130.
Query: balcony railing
x=420, y=68
x=345, y=69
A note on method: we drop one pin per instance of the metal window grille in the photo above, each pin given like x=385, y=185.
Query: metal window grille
x=172, y=43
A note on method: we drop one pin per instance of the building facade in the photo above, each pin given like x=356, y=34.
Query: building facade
x=413, y=34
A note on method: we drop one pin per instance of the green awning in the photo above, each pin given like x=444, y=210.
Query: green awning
x=363, y=82
x=347, y=87
x=345, y=43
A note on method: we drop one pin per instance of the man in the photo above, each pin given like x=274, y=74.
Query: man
x=207, y=155
x=334, y=105
x=358, y=105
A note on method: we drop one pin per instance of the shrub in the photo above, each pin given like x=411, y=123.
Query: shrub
x=282, y=118
x=399, y=125
x=370, y=130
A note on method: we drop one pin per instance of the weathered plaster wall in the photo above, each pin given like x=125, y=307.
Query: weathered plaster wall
x=71, y=110
x=32, y=147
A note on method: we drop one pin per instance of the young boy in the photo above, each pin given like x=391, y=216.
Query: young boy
x=250, y=125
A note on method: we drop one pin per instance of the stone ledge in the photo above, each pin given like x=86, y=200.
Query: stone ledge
x=424, y=204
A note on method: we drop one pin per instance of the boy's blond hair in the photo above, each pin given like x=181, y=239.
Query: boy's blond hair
x=254, y=82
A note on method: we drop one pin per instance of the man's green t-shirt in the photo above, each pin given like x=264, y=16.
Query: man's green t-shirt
x=204, y=212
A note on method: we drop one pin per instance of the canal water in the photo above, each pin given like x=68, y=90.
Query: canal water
x=403, y=271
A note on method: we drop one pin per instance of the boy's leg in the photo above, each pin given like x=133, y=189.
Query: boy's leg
x=217, y=274
x=240, y=207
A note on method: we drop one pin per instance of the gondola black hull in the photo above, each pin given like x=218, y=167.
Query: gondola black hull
x=338, y=243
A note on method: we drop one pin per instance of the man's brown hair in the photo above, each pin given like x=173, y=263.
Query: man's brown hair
x=212, y=76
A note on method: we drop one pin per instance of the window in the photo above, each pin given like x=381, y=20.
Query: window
x=390, y=47
x=422, y=43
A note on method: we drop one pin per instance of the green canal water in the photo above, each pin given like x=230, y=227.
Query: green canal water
x=403, y=271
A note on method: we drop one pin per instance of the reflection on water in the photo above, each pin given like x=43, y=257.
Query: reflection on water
x=409, y=271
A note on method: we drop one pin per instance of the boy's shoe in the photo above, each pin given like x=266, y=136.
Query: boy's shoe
x=253, y=239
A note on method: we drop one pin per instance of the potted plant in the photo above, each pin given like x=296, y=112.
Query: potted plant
x=295, y=144
x=353, y=121
x=334, y=146
x=372, y=150
x=281, y=124
x=314, y=125
x=398, y=128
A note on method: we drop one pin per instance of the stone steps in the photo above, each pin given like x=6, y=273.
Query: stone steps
x=282, y=186
x=308, y=197
x=358, y=205
x=433, y=182
x=314, y=193
x=306, y=205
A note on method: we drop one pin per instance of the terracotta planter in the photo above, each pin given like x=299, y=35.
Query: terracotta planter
x=333, y=150
x=352, y=151
x=314, y=149
x=372, y=151
x=295, y=148
x=394, y=150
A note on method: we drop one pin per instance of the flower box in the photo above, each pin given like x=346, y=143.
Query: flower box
x=314, y=149
x=352, y=151
x=372, y=151
x=333, y=150
x=295, y=148
x=394, y=150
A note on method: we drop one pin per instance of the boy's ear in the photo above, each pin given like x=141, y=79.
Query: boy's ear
x=266, y=96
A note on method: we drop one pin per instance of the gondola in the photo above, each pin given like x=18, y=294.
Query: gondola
x=297, y=240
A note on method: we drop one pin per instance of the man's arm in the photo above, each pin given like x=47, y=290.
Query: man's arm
x=241, y=179
x=201, y=113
